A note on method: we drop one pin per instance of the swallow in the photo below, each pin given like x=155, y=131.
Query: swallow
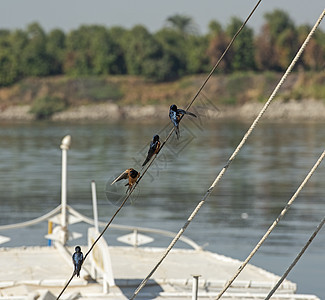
x=130, y=174
x=175, y=116
x=153, y=149
x=77, y=259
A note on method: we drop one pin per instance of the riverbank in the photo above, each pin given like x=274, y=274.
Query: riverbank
x=292, y=110
x=113, y=98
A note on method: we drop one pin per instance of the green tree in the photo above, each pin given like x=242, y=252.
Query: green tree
x=141, y=50
x=183, y=24
x=118, y=34
x=8, y=64
x=77, y=60
x=197, y=60
x=215, y=28
x=243, y=47
x=34, y=59
x=92, y=51
x=173, y=44
x=55, y=48
x=105, y=53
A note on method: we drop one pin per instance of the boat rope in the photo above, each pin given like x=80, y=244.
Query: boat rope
x=97, y=239
x=166, y=139
x=308, y=176
x=274, y=224
x=318, y=228
x=232, y=157
x=45, y=217
x=66, y=285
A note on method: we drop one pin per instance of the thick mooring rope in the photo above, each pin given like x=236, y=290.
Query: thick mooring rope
x=284, y=276
x=315, y=166
x=207, y=194
x=274, y=224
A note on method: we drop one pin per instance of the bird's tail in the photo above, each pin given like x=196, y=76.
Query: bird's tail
x=191, y=114
x=146, y=161
x=77, y=272
x=177, y=132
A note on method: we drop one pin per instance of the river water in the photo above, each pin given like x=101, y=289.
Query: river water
x=252, y=193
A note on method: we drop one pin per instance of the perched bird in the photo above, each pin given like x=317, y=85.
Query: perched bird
x=153, y=149
x=130, y=174
x=77, y=259
x=175, y=116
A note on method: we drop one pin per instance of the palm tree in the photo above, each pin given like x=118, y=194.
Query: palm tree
x=183, y=24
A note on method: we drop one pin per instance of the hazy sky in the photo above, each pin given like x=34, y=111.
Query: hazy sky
x=70, y=14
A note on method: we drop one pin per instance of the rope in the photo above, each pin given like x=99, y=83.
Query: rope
x=67, y=284
x=296, y=259
x=168, y=136
x=100, y=235
x=315, y=166
x=32, y=222
x=207, y=194
x=275, y=223
x=190, y=104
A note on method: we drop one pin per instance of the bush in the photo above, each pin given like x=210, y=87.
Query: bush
x=97, y=89
x=45, y=107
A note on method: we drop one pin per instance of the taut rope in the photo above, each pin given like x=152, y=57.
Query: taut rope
x=207, y=194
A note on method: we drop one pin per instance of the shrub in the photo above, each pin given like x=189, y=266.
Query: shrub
x=45, y=107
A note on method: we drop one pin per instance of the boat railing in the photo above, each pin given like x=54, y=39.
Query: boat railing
x=75, y=216
x=100, y=260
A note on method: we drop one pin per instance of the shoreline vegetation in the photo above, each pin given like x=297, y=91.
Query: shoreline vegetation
x=99, y=73
x=115, y=98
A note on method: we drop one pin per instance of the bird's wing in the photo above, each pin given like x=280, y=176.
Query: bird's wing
x=181, y=111
x=157, y=147
x=185, y=112
x=124, y=175
x=191, y=114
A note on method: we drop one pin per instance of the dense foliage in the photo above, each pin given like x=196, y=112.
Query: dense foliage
x=174, y=51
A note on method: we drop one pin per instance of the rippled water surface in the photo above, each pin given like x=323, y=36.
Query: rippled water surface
x=249, y=197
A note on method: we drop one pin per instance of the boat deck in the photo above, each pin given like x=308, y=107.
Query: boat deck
x=30, y=272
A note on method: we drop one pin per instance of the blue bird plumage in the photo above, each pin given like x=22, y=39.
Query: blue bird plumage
x=77, y=259
x=175, y=116
x=153, y=148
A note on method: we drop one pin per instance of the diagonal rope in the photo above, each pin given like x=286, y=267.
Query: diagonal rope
x=99, y=236
x=66, y=285
x=209, y=191
x=163, y=144
x=267, y=103
x=318, y=228
x=274, y=224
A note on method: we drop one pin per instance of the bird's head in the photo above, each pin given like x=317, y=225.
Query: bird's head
x=173, y=107
x=133, y=173
x=77, y=249
x=156, y=138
